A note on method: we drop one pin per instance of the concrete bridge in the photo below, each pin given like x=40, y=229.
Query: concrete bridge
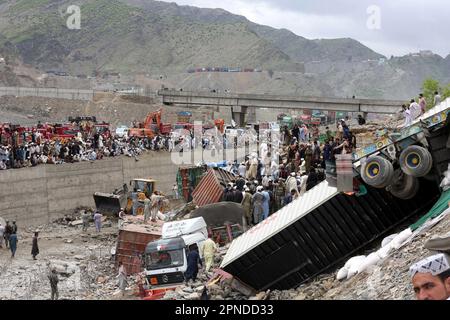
x=242, y=104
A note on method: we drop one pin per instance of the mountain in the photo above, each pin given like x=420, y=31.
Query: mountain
x=298, y=48
x=154, y=37
x=128, y=39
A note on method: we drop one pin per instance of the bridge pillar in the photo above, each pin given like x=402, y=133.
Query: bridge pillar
x=239, y=115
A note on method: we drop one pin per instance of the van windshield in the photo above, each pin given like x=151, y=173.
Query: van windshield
x=164, y=259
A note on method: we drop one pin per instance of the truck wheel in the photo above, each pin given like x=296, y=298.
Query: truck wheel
x=404, y=186
x=377, y=172
x=416, y=161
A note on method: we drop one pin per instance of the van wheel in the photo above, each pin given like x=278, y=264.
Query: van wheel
x=416, y=161
x=404, y=186
x=377, y=172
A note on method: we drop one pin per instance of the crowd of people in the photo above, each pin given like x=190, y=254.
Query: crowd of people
x=280, y=175
x=83, y=147
x=417, y=108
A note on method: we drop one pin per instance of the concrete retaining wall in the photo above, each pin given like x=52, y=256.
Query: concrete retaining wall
x=72, y=94
x=34, y=196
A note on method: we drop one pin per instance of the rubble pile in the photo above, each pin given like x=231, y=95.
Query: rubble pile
x=372, y=131
x=194, y=290
x=82, y=260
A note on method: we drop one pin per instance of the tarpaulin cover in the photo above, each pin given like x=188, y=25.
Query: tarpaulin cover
x=440, y=206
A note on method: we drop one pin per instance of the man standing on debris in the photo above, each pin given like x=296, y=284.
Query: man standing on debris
x=53, y=277
x=415, y=109
x=422, y=103
x=14, y=228
x=8, y=232
x=2, y=233
x=13, y=244
x=437, y=98
x=156, y=200
x=407, y=115
x=193, y=260
x=34, y=246
x=121, y=217
x=147, y=209
x=431, y=277
x=208, y=250
x=85, y=218
x=98, y=220
x=175, y=192
x=122, y=278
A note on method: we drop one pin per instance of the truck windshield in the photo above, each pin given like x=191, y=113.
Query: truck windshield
x=164, y=259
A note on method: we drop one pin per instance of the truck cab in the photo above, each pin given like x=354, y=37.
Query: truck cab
x=165, y=260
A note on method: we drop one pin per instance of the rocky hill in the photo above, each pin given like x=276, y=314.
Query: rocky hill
x=154, y=37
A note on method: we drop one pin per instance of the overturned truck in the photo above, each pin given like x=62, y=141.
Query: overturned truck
x=318, y=232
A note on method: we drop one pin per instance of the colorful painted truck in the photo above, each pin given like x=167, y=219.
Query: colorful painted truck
x=397, y=161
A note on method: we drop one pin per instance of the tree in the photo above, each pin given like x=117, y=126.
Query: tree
x=445, y=92
x=429, y=87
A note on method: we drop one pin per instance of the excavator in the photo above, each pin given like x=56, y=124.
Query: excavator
x=220, y=124
x=151, y=126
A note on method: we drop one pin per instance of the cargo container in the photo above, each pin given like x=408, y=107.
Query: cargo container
x=187, y=179
x=132, y=240
x=317, y=233
x=211, y=187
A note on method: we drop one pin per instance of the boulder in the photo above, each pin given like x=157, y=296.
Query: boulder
x=76, y=223
x=188, y=289
x=193, y=296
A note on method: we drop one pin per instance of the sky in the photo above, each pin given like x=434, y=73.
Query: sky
x=390, y=27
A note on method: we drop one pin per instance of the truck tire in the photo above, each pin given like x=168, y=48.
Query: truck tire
x=416, y=161
x=377, y=172
x=404, y=186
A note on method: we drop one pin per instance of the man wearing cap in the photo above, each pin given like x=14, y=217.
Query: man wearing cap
x=242, y=169
x=291, y=183
x=431, y=277
x=258, y=203
x=228, y=194
x=247, y=205
x=240, y=183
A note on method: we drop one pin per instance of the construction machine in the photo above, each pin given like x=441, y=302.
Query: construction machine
x=130, y=200
x=220, y=124
x=151, y=126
